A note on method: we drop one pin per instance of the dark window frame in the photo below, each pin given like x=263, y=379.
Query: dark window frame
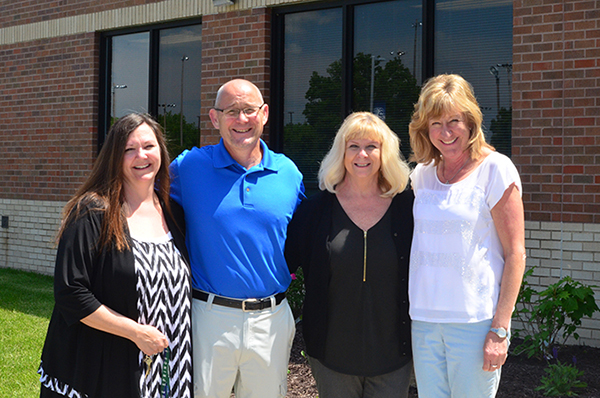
x=276, y=116
x=104, y=98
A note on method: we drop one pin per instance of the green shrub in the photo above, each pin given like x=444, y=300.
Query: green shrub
x=295, y=293
x=551, y=316
x=560, y=380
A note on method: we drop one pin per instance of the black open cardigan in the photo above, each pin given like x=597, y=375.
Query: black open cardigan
x=307, y=246
x=99, y=364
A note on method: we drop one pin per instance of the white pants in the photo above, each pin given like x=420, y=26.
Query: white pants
x=248, y=351
x=448, y=359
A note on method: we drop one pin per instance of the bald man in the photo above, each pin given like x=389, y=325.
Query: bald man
x=238, y=197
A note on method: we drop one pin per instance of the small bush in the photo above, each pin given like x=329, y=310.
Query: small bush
x=560, y=380
x=295, y=293
x=551, y=316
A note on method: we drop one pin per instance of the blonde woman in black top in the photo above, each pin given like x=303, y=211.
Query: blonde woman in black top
x=352, y=241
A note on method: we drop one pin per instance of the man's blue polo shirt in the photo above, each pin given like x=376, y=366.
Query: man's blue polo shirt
x=236, y=219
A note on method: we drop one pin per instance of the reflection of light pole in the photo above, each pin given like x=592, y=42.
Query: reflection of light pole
x=165, y=106
x=416, y=26
x=114, y=88
x=508, y=68
x=494, y=72
x=291, y=120
x=373, y=77
x=183, y=59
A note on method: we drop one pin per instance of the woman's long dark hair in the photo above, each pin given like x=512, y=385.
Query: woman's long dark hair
x=103, y=189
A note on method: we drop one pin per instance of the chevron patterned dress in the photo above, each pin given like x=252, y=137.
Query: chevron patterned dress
x=164, y=301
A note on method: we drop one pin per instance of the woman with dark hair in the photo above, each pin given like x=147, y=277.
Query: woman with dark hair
x=121, y=321
x=352, y=241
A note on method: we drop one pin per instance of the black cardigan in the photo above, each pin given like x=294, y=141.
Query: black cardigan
x=99, y=364
x=307, y=246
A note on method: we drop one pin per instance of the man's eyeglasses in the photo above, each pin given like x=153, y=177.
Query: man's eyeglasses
x=234, y=113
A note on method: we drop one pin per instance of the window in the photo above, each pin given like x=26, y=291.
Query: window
x=475, y=41
x=312, y=99
x=331, y=59
x=157, y=71
x=387, y=62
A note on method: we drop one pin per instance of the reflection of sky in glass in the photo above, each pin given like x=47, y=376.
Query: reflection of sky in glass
x=383, y=28
x=174, y=44
x=130, y=67
x=130, y=60
x=312, y=42
x=470, y=37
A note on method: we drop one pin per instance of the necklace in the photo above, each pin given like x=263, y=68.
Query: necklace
x=455, y=174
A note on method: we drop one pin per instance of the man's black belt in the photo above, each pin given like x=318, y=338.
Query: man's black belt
x=246, y=305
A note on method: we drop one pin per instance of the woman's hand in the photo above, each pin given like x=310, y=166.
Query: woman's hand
x=150, y=340
x=495, y=352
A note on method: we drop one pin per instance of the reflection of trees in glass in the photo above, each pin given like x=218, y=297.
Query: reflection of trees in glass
x=170, y=122
x=191, y=134
x=306, y=146
x=501, y=128
x=324, y=96
x=394, y=86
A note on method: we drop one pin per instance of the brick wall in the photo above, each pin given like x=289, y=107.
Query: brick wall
x=556, y=108
x=49, y=96
x=48, y=114
x=235, y=44
x=48, y=108
x=556, y=140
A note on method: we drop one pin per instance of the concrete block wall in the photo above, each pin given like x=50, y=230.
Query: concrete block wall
x=566, y=249
x=28, y=242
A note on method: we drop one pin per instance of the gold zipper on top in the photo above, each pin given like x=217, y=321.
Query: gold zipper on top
x=365, y=257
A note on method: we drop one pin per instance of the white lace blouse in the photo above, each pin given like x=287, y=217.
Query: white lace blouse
x=457, y=260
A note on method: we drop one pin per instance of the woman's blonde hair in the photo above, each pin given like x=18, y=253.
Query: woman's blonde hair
x=441, y=95
x=393, y=173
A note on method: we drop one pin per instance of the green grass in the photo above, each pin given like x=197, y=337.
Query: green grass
x=26, y=302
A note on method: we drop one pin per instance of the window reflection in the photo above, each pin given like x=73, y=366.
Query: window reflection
x=387, y=62
x=312, y=87
x=130, y=74
x=474, y=39
x=179, y=86
x=470, y=38
x=162, y=83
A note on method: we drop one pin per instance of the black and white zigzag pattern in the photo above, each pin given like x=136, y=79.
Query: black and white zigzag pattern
x=58, y=387
x=164, y=287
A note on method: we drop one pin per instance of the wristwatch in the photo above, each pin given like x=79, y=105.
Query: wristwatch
x=500, y=332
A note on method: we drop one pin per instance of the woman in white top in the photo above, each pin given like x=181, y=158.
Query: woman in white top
x=468, y=251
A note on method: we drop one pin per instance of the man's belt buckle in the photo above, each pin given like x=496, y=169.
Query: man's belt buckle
x=249, y=301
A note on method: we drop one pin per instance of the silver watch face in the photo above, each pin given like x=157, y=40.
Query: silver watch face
x=501, y=332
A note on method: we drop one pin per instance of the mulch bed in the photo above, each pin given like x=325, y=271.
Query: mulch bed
x=520, y=375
